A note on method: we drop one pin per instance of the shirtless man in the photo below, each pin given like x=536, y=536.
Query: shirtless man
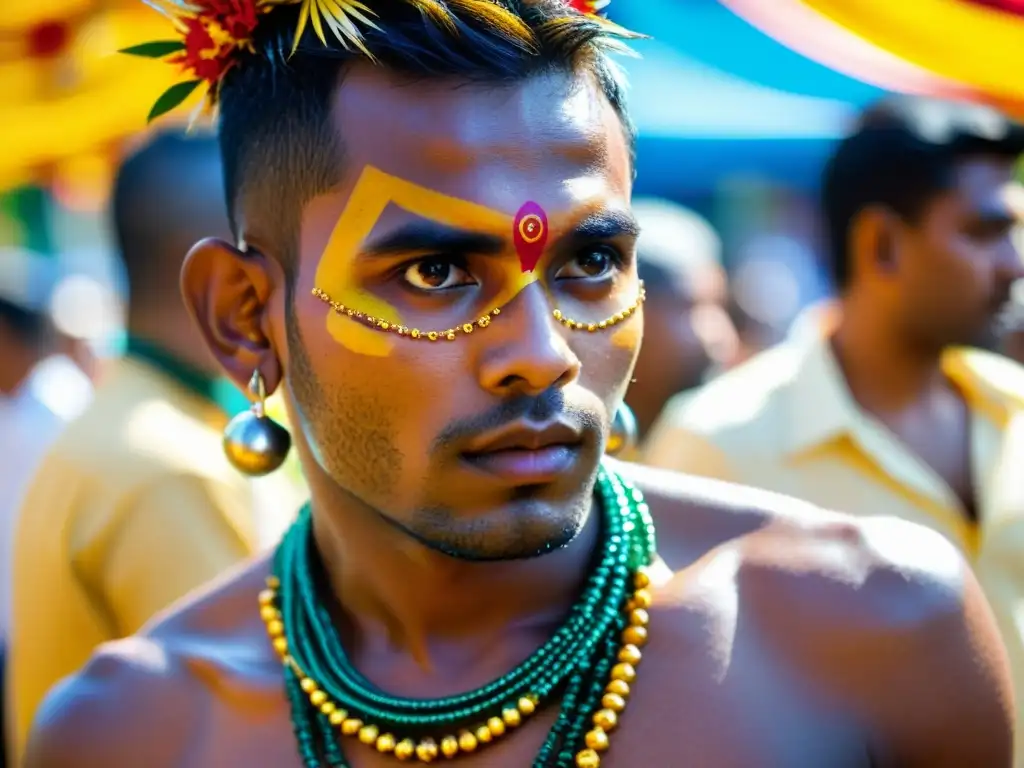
x=458, y=511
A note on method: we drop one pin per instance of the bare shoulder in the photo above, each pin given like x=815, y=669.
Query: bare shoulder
x=142, y=700
x=696, y=515
x=884, y=613
x=107, y=713
x=833, y=569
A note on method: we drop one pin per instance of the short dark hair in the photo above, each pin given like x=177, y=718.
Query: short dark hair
x=27, y=326
x=278, y=148
x=167, y=195
x=901, y=155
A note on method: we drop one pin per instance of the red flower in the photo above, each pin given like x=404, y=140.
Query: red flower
x=48, y=39
x=587, y=7
x=207, y=49
x=237, y=17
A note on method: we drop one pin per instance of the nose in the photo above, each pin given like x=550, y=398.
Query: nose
x=531, y=354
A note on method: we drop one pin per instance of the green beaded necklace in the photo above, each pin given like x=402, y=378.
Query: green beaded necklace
x=589, y=663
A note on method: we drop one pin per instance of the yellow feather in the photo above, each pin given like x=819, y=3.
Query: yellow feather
x=498, y=18
x=619, y=31
x=437, y=12
x=301, y=26
x=358, y=6
x=360, y=12
x=314, y=19
x=336, y=14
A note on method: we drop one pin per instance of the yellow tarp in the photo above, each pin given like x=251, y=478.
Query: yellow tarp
x=87, y=99
x=945, y=47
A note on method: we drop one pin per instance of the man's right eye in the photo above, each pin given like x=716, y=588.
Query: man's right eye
x=436, y=274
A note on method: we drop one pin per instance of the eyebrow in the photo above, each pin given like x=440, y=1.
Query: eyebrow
x=433, y=237
x=995, y=216
x=606, y=225
x=425, y=236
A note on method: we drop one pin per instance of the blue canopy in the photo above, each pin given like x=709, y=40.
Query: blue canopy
x=713, y=97
x=710, y=33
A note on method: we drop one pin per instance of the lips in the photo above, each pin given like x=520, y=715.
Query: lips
x=526, y=454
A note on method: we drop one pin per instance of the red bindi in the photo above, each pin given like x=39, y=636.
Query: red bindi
x=530, y=233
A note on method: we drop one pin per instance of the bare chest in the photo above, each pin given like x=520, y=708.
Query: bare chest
x=688, y=708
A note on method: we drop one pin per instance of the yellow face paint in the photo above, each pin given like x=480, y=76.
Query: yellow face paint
x=452, y=333
x=627, y=336
x=336, y=274
x=367, y=324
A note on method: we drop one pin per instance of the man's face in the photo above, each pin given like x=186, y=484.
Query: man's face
x=484, y=446
x=961, y=261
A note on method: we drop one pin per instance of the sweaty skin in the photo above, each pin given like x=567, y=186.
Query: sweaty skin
x=337, y=275
x=781, y=634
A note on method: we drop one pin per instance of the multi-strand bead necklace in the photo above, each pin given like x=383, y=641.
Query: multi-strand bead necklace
x=587, y=668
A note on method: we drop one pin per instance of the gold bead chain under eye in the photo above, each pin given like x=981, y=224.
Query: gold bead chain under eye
x=450, y=334
x=410, y=333
x=618, y=317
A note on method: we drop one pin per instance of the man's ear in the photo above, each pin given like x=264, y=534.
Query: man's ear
x=873, y=242
x=227, y=292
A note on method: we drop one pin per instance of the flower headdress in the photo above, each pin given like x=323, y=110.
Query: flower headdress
x=215, y=32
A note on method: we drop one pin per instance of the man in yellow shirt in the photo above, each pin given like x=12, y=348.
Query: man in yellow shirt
x=687, y=330
x=888, y=411
x=135, y=505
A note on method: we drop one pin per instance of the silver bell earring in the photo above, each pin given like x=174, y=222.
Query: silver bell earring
x=254, y=443
x=622, y=438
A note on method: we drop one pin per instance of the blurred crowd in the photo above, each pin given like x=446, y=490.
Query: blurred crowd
x=862, y=351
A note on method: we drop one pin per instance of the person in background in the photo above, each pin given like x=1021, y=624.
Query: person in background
x=135, y=504
x=687, y=331
x=816, y=319
x=1013, y=344
x=33, y=376
x=1011, y=337
x=892, y=409
x=465, y=538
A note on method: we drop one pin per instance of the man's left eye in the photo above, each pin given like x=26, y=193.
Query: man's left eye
x=591, y=263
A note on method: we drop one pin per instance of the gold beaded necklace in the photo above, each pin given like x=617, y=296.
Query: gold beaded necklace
x=426, y=750
x=588, y=665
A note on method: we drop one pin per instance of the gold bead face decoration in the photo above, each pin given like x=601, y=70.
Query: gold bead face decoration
x=416, y=334
x=608, y=322
x=451, y=334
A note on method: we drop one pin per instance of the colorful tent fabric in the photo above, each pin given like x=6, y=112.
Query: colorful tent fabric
x=954, y=48
x=65, y=90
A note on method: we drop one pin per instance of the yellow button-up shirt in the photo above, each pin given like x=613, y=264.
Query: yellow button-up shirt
x=133, y=507
x=786, y=421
